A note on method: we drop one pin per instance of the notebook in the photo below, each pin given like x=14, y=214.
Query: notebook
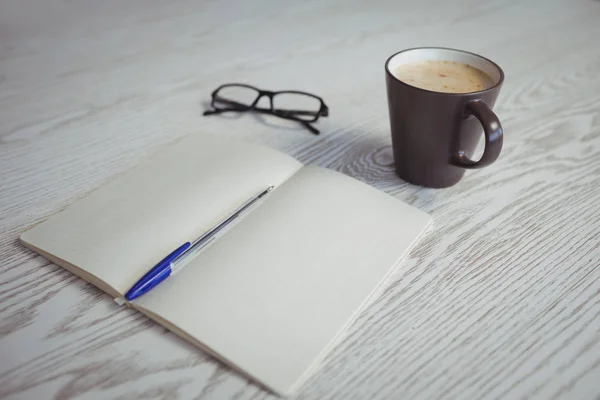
x=274, y=293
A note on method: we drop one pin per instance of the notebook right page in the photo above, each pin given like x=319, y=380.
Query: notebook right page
x=271, y=296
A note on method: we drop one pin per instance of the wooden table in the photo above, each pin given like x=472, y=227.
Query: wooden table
x=502, y=300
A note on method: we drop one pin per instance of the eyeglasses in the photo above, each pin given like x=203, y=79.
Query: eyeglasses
x=302, y=107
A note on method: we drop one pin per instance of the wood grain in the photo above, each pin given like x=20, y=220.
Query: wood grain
x=501, y=301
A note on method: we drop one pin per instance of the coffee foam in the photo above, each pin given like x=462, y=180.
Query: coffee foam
x=443, y=54
x=443, y=76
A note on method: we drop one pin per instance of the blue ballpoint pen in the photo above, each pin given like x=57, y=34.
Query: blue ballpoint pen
x=182, y=255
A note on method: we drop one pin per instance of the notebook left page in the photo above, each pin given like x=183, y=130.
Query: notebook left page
x=118, y=232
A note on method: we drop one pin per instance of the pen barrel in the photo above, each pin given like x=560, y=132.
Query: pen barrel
x=183, y=261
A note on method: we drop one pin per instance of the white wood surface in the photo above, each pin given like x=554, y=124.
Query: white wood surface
x=501, y=301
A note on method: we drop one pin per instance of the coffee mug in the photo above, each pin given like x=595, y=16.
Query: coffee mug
x=440, y=100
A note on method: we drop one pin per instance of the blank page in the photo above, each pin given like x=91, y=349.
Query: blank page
x=272, y=295
x=120, y=231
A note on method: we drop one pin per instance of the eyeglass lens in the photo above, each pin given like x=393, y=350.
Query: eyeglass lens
x=299, y=105
x=234, y=95
x=291, y=104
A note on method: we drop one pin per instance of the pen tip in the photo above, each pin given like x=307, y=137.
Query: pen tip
x=270, y=188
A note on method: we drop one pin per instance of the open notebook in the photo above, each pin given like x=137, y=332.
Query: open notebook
x=272, y=295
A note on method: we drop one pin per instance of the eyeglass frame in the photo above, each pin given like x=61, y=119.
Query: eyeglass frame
x=285, y=114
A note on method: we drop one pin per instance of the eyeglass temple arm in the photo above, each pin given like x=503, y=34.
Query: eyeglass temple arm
x=259, y=109
x=306, y=124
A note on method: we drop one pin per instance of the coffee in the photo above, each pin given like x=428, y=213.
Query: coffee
x=443, y=76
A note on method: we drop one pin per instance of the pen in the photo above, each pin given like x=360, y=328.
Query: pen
x=182, y=255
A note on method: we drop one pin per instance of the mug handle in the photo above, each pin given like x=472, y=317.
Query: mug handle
x=492, y=130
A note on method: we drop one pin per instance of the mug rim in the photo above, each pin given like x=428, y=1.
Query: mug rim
x=493, y=87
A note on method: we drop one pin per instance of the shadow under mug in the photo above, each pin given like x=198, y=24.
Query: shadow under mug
x=434, y=134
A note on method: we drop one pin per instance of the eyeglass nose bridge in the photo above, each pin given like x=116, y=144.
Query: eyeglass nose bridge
x=262, y=94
